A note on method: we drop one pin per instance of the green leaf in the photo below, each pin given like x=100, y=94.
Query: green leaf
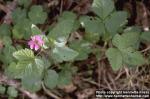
x=126, y=40
x=7, y=40
x=102, y=7
x=63, y=54
x=116, y=21
x=82, y=47
x=65, y=77
x=5, y=30
x=39, y=66
x=32, y=82
x=37, y=15
x=24, y=55
x=25, y=3
x=18, y=15
x=51, y=79
x=62, y=30
x=6, y=54
x=92, y=25
x=66, y=24
x=23, y=68
x=12, y=92
x=133, y=29
x=115, y=58
x=134, y=58
x=2, y=89
x=27, y=64
x=67, y=15
x=22, y=29
x=145, y=36
x=35, y=30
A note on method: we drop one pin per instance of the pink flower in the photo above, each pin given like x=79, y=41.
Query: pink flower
x=36, y=42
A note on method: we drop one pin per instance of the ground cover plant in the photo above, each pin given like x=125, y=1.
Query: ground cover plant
x=68, y=49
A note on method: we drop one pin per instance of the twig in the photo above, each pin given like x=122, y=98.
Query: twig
x=91, y=82
x=48, y=92
x=145, y=50
x=3, y=8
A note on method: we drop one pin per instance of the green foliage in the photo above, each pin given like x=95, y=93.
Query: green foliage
x=64, y=27
x=65, y=76
x=35, y=30
x=24, y=3
x=6, y=54
x=82, y=47
x=32, y=82
x=12, y=92
x=145, y=37
x=126, y=40
x=63, y=54
x=24, y=55
x=37, y=15
x=102, y=8
x=115, y=58
x=22, y=29
x=18, y=15
x=71, y=39
x=4, y=30
x=116, y=21
x=2, y=89
x=125, y=53
x=51, y=79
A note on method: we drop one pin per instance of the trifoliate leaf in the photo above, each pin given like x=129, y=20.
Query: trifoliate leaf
x=51, y=79
x=37, y=15
x=102, y=7
x=115, y=58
